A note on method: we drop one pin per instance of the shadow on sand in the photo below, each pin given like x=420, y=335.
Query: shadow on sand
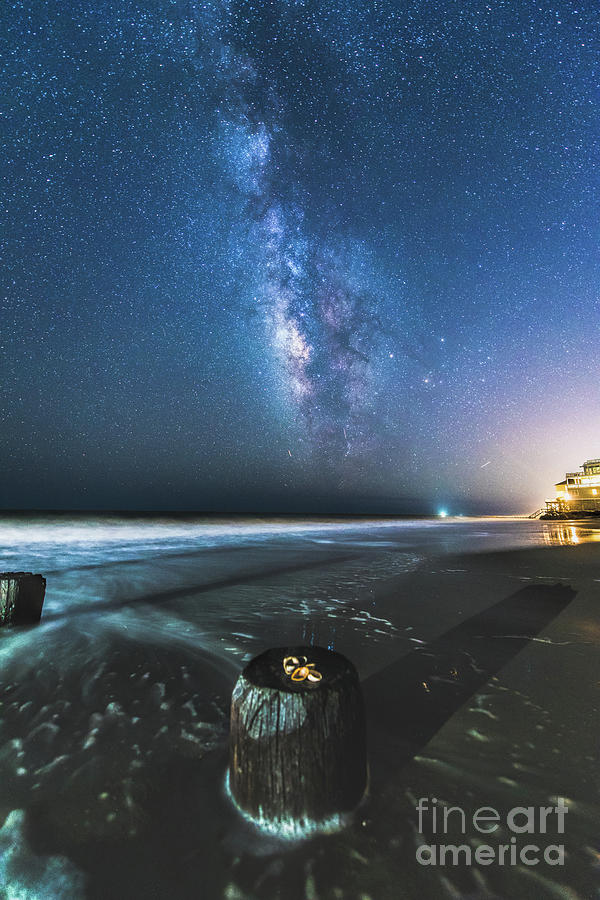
x=411, y=699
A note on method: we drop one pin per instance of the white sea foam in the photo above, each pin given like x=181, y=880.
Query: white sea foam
x=288, y=828
x=26, y=876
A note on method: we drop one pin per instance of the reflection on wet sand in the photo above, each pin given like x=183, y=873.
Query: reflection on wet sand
x=567, y=534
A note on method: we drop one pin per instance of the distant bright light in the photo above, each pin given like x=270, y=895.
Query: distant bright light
x=442, y=513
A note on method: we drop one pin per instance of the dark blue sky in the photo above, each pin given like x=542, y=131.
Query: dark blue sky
x=298, y=256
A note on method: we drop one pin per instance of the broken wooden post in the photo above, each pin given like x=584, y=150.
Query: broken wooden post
x=21, y=598
x=298, y=761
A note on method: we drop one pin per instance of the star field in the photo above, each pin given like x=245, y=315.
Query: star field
x=298, y=256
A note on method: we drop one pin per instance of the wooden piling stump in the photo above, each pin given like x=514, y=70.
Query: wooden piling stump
x=21, y=598
x=298, y=761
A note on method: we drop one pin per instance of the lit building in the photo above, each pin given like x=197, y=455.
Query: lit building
x=579, y=491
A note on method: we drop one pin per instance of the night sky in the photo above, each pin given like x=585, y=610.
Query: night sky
x=298, y=256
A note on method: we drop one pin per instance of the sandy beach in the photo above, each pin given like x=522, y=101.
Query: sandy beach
x=475, y=641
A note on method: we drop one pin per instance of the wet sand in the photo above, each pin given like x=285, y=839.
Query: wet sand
x=113, y=738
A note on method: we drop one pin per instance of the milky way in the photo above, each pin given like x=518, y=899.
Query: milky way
x=321, y=326
x=299, y=254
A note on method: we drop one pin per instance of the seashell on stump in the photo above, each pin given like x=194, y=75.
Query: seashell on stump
x=298, y=760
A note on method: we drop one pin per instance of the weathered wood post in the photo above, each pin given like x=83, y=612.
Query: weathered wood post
x=21, y=598
x=298, y=760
